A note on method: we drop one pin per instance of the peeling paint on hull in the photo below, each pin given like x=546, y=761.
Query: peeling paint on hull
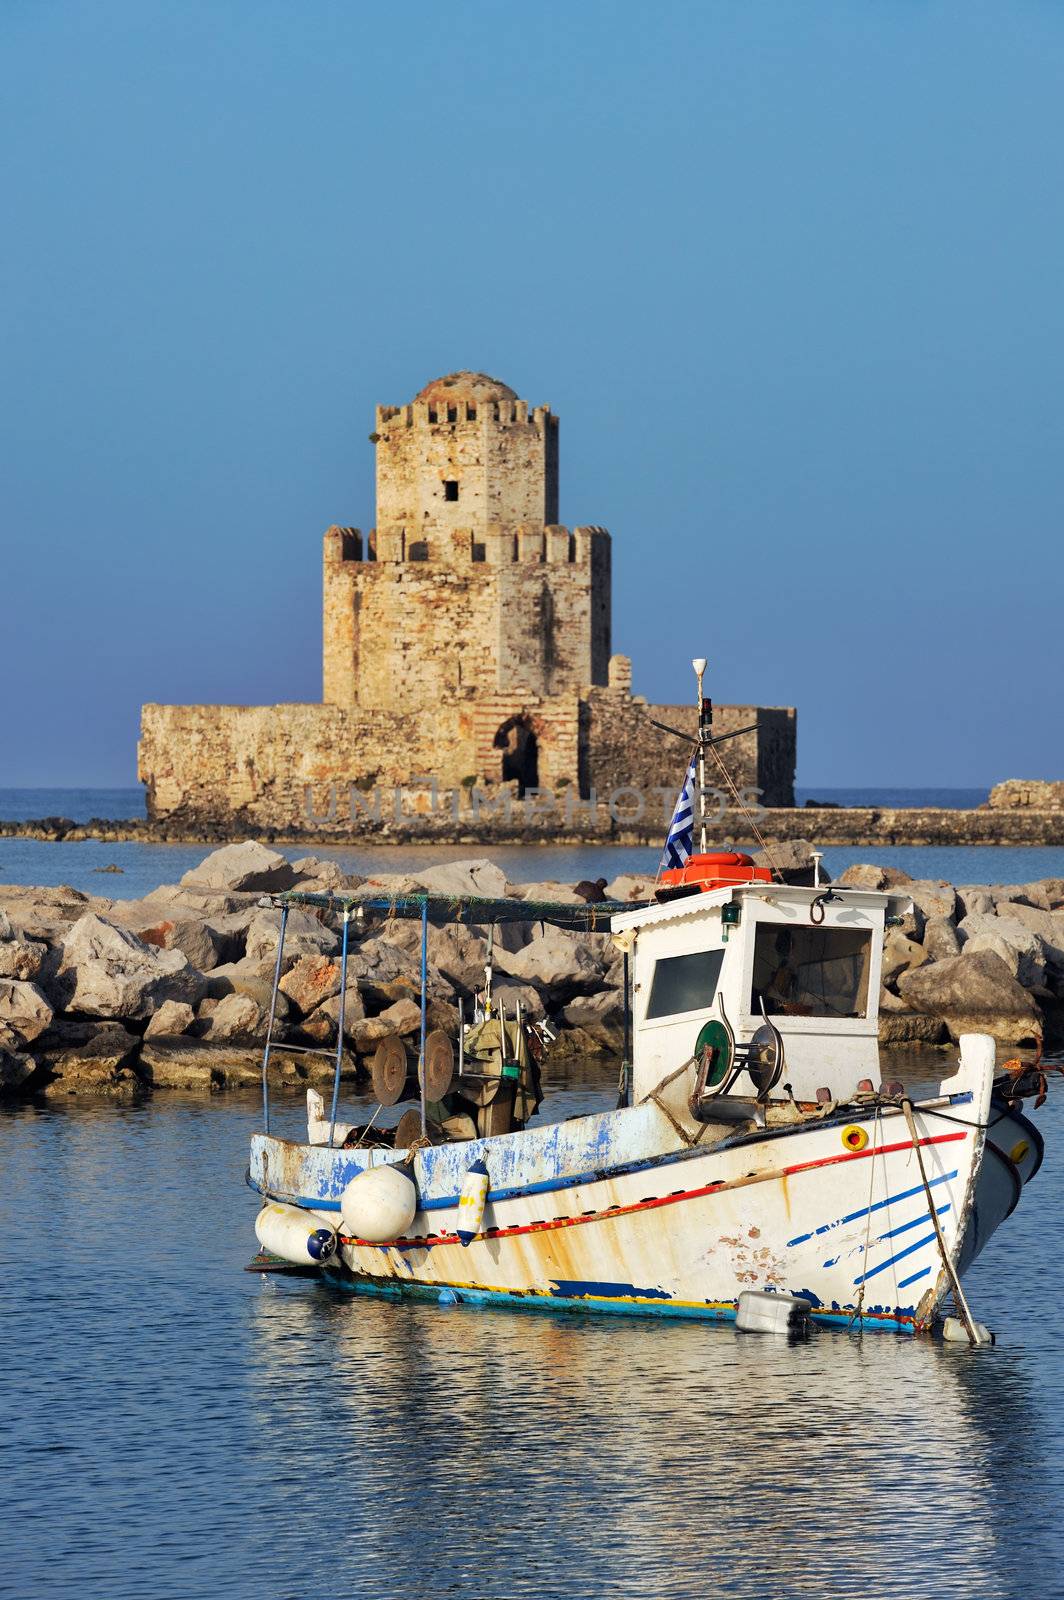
x=612, y=1213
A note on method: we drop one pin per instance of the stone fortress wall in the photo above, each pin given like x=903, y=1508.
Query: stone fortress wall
x=467, y=636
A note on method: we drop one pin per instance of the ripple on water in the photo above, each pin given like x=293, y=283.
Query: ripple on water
x=176, y=1427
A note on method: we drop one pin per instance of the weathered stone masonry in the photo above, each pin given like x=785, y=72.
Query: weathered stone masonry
x=466, y=636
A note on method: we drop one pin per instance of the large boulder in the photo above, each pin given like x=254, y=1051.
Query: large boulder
x=310, y=981
x=863, y=875
x=386, y=971
x=236, y=1017
x=898, y=1024
x=248, y=866
x=1047, y=925
x=557, y=963
x=22, y=958
x=974, y=993
x=480, y=877
x=323, y=1021
x=900, y=955
x=791, y=861
x=106, y=971
x=975, y=899
x=940, y=940
x=932, y=898
x=24, y=1013
x=600, y=1015
x=1019, y=948
x=324, y=877
x=305, y=935
x=16, y=1070
x=46, y=913
x=195, y=939
x=631, y=886
x=172, y=1018
x=103, y=1063
x=250, y=977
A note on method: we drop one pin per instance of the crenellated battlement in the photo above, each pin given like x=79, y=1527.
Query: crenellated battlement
x=463, y=414
x=490, y=546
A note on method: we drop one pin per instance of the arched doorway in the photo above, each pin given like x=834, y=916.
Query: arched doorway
x=520, y=753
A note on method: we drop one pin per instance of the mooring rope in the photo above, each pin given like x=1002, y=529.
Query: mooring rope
x=951, y=1274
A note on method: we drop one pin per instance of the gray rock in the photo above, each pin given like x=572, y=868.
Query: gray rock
x=1019, y=948
x=324, y=1020
x=900, y=1025
x=974, y=899
x=477, y=877
x=24, y=1013
x=106, y=971
x=102, y=1064
x=172, y=1018
x=556, y=962
x=6, y=930
x=508, y=995
x=900, y=954
x=1047, y=925
x=236, y=1017
x=249, y=866
x=974, y=993
x=863, y=875
x=22, y=958
x=195, y=940
x=179, y=1064
x=305, y=935
x=629, y=886
x=16, y=1070
x=792, y=859
x=940, y=939
x=932, y=898
x=324, y=877
x=252, y=978
x=599, y=1015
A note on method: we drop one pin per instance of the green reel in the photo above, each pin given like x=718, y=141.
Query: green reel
x=718, y=1039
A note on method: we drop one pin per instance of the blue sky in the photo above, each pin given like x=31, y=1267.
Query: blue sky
x=790, y=273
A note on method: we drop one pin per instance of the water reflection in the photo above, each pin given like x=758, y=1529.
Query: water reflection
x=176, y=1427
x=632, y=1457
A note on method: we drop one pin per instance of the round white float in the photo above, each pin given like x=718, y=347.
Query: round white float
x=379, y=1204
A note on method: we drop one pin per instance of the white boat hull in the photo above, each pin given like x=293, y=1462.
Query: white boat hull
x=653, y=1225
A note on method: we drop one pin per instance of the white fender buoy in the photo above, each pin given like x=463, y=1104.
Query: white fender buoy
x=471, y=1203
x=379, y=1204
x=295, y=1235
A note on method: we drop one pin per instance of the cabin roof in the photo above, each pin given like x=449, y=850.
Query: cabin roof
x=694, y=905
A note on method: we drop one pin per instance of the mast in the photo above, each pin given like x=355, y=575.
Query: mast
x=705, y=724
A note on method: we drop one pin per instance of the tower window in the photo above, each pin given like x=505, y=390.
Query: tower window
x=450, y=488
x=452, y=413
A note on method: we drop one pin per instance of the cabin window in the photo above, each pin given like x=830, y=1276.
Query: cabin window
x=684, y=983
x=811, y=972
x=450, y=488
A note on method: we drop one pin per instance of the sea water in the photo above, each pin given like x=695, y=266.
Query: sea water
x=176, y=1428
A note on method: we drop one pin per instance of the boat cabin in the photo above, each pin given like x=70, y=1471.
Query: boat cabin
x=806, y=960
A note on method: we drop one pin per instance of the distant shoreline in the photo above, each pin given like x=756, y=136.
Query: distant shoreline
x=829, y=825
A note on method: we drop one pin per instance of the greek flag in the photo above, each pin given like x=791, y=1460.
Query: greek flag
x=678, y=842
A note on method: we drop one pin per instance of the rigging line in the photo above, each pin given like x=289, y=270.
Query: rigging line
x=950, y=1269
x=745, y=809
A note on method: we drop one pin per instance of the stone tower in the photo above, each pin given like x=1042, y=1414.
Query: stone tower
x=467, y=587
x=466, y=650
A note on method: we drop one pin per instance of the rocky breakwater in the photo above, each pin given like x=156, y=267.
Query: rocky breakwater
x=117, y=998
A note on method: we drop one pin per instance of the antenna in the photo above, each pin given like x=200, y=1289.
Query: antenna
x=705, y=722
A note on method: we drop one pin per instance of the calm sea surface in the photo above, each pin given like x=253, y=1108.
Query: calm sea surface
x=145, y=866
x=176, y=1428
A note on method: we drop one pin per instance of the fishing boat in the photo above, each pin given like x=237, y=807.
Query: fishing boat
x=756, y=1152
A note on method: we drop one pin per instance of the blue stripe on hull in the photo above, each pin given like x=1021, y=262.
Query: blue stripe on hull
x=521, y=1301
